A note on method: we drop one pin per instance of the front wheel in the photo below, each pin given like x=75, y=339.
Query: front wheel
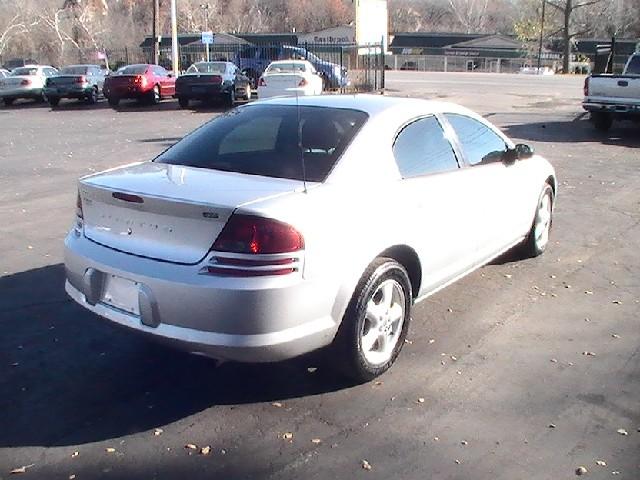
x=538, y=238
x=376, y=322
x=92, y=97
x=113, y=101
x=183, y=102
x=54, y=101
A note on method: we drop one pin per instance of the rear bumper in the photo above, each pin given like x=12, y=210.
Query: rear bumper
x=266, y=92
x=68, y=92
x=21, y=93
x=203, y=91
x=251, y=320
x=125, y=92
x=614, y=108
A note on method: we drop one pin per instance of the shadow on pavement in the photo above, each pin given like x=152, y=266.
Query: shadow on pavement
x=68, y=377
x=624, y=134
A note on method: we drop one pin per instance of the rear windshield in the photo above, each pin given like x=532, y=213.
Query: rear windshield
x=133, y=70
x=270, y=140
x=74, y=71
x=211, y=67
x=634, y=66
x=286, y=68
x=25, y=71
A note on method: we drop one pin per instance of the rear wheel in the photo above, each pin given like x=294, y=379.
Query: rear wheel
x=376, y=322
x=602, y=121
x=538, y=238
x=92, y=97
x=183, y=102
x=230, y=99
x=54, y=101
x=9, y=101
x=155, y=95
x=113, y=101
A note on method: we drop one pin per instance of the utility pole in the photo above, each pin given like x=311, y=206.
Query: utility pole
x=174, y=39
x=205, y=14
x=156, y=31
x=544, y=3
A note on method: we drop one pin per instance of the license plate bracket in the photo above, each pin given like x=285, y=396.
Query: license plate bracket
x=121, y=293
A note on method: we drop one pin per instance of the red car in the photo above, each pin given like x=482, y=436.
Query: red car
x=150, y=83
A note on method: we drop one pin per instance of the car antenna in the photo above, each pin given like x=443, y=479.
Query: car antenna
x=299, y=132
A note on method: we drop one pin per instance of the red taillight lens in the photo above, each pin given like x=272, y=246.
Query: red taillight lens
x=257, y=235
x=303, y=83
x=262, y=83
x=586, y=87
x=25, y=82
x=81, y=79
x=215, y=79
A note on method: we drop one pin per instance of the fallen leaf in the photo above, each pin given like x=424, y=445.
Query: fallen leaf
x=589, y=354
x=191, y=446
x=316, y=440
x=615, y=335
x=22, y=469
x=464, y=442
x=436, y=439
x=287, y=436
x=506, y=275
x=581, y=470
x=459, y=372
x=617, y=302
x=205, y=450
x=276, y=404
x=622, y=431
x=552, y=425
x=553, y=360
x=442, y=362
x=588, y=292
x=420, y=400
x=432, y=340
x=109, y=449
x=378, y=383
x=454, y=358
x=366, y=465
x=72, y=476
x=158, y=431
x=615, y=472
x=602, y=463
x=75, y=454
x=449, y=310
x=311, y=369
x=457, y=462
x=408, y=341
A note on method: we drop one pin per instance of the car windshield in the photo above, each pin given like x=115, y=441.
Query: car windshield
x=77, y=70
x=634, y=66
x=133, y=70
x=207, y=67
x=290, y=67
x=25, y=71
x=270, y=140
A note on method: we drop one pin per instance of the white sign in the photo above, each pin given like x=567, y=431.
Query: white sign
x=207, y=38
x=372, y=22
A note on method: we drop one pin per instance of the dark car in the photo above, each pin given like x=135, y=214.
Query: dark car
x=143, y=82
x=208, y=81
x=253, y=60
x=82, y=82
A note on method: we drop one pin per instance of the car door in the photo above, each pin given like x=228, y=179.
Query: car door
x=432, y=200
x=167, y=83
x=492, y=186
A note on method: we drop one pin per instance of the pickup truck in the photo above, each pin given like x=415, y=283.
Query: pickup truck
x=614, y=97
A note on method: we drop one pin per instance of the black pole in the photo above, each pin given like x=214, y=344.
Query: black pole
x=156, y=28
x=544, y=2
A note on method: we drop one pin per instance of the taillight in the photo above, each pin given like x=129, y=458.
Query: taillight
x=262, y=83
x=215, y=79
x=79, y=213
x=258, y=235
x=81, y=79
x=586, y=87
x=79, y=225
x=303, y=83
x=26, y=81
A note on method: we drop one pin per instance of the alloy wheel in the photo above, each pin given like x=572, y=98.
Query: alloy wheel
x=543, y=222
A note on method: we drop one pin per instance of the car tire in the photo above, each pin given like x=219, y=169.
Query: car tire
x=370, y=336
x=183, y=102
x=155, y=95
x=230, y=99
x=247, y=95
x=538, y=237
x=602, y=121
x=92, y=97
x=9, y=101
x=113, y=101
x=53, y=101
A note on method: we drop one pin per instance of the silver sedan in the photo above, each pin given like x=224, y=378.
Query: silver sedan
x=25, y=82
x=290, y=225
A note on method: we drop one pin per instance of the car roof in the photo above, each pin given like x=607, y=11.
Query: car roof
x=373, y=105
x=297, y=60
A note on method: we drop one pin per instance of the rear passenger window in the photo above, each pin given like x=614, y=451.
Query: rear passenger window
x=479, y=143
x=421, y=149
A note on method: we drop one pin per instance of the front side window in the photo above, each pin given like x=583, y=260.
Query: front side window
x=634, y=66
x=421, y=148
x=270, y=140
x=480, y=144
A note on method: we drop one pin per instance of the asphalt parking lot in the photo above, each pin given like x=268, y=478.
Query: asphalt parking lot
x=525, y=369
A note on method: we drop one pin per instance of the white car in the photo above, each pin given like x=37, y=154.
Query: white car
x=289, y=225
x=4, y=73
x=25, y=82
x=289, y=78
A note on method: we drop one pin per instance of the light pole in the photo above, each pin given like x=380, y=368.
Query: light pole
x=544, y=2
x=205, y=14
x=174, y=39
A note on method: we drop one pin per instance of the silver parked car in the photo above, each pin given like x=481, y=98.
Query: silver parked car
x=289, y=225
x=25, y=82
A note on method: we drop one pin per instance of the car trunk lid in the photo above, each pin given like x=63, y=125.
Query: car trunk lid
x=65, y=80
x=284, y=80
x=167, y=212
